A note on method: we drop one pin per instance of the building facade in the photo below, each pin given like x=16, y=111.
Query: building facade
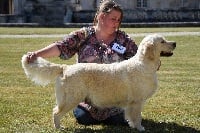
x=56, y=12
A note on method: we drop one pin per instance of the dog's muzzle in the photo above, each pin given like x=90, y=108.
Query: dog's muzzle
x=170, y=53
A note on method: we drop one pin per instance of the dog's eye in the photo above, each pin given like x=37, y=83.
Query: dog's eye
x=163, y=41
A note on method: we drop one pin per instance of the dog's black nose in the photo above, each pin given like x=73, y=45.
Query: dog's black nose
x=174, y=44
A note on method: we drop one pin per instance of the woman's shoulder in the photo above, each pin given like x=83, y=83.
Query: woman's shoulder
x=122, y=35
x=89, y=30
x=83, y=32
x=121, y=32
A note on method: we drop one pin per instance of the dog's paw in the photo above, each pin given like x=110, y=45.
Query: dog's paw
x=138, y=127
x=62, y=128
x=56, y=122
x=57, y=126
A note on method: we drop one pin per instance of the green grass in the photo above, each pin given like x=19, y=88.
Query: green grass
x=26, y=107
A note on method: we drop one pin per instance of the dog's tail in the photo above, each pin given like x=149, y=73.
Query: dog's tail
x=41, y=71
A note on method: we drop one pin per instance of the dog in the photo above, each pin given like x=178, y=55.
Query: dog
x=127, y=84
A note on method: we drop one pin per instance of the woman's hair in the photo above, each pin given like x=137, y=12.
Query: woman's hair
x=106, y=6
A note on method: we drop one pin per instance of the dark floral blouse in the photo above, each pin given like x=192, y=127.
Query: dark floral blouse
x=84, y=43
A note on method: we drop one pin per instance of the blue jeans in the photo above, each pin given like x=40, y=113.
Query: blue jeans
x=83, y=117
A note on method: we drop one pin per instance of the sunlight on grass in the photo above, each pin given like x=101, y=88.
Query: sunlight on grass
x=26, y=107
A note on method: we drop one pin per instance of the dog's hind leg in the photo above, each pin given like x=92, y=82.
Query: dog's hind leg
x=133, y=114
x=56, y=117
x=58, y=112
x=61, y=107
x=66, y=100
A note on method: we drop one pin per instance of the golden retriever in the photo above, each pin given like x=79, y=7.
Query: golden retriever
x=127, y=84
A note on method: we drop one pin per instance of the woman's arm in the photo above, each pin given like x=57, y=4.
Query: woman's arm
x=47, y=52
x=65, y=49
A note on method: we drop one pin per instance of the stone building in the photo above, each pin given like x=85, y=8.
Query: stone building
x=57, y=12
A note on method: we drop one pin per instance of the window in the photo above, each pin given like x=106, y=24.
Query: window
x=6, y=6
x=142, y=3
x=78, y=2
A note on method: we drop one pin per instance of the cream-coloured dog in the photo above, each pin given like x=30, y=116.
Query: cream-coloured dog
x=127, y=84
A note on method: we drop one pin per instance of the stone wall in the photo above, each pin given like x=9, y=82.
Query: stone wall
x=48, y=13
x=58, y=12
x=142, y=15
x=182, y=15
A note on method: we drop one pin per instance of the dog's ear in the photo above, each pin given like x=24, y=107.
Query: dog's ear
x=150, y=51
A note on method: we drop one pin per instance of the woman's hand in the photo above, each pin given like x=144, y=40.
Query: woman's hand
x=31, y=57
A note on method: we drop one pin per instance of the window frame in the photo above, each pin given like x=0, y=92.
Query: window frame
x=142, y=3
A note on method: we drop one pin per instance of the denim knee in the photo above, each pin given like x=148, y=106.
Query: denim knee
x=83, y=117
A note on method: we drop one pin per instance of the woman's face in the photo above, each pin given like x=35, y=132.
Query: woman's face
x=110, y=22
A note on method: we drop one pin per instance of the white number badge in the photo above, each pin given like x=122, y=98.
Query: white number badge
x=118, y=48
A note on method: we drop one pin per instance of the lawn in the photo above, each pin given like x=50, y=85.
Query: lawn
x=26, y=107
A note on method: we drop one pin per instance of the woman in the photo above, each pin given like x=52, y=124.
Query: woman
x=101, y=43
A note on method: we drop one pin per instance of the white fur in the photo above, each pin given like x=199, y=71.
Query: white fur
x=127, y=84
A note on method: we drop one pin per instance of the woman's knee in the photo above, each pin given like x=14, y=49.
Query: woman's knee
x=83, y=117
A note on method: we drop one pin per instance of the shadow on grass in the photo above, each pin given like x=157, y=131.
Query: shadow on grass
x=150, y=127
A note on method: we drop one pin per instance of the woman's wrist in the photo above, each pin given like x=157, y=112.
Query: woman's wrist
x=31, y=56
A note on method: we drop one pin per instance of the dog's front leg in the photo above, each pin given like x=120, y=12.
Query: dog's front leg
x=133, y=114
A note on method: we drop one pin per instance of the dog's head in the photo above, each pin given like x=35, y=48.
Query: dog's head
x=154, y=46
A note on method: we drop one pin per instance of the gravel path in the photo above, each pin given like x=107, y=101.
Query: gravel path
x=132, y=35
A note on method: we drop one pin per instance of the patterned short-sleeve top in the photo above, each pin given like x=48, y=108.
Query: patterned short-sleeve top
x=84, y=43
